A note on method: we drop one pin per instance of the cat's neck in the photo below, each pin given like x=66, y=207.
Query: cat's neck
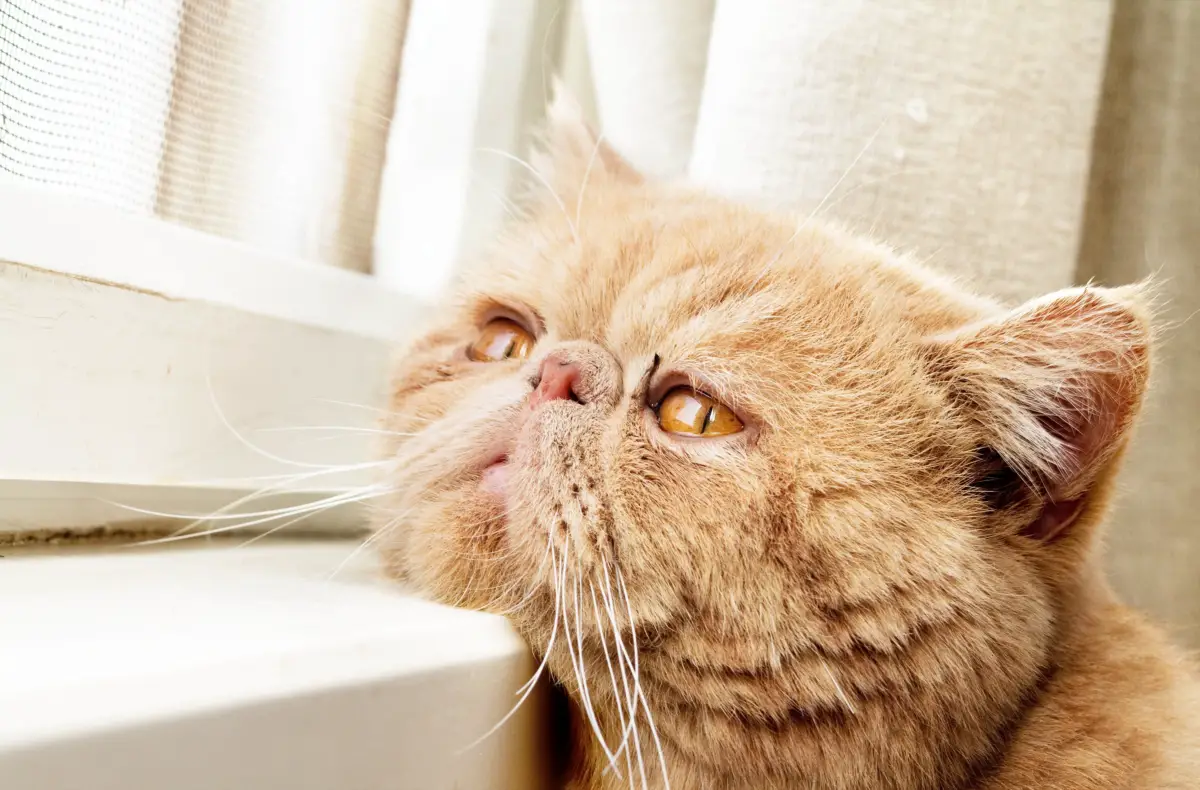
x=1114, y=691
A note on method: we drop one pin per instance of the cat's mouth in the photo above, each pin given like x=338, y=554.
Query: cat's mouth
x=494, y=479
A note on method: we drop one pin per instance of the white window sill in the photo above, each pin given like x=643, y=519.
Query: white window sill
x=251, y=667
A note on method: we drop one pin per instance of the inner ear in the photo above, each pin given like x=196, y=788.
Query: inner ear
x=997, y=484
x=1002, y=489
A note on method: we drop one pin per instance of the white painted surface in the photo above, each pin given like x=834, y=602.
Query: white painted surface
x=197, y=372
x=47, y=230
x=648, y=62
x=474, y=77
x=104, y=385
x=281, y=666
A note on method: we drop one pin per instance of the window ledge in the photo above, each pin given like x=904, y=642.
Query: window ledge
x=279, y=665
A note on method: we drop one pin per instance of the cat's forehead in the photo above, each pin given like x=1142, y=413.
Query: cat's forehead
x=711, y=278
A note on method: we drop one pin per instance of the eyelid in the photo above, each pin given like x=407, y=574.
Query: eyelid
x=528, y=320
x=667, y=379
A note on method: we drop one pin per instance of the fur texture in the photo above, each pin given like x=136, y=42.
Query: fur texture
x=889, y=579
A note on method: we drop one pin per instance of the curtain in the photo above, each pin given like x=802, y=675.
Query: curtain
x=1021, y=147
x=262, y=120
x=1143, y=218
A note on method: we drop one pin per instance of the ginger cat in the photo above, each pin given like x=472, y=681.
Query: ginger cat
x=781, y=509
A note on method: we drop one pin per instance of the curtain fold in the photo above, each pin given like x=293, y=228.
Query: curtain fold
x=1143, y=219
x=958, y=130
x=279, y=121
x=648, y=62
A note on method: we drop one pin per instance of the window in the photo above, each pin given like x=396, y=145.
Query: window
x=217, y=218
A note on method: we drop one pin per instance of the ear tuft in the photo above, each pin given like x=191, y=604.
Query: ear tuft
x=1054, y=386
x=570, y=154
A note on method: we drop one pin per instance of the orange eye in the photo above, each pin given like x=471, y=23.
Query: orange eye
x=686, y=411
x=501, y=339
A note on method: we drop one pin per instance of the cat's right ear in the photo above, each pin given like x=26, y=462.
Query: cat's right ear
x=1054, y=387
x=570, y=154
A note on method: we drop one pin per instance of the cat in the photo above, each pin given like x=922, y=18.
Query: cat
x=779, y=508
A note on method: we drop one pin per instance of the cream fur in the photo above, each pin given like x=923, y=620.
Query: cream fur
x=874, y=585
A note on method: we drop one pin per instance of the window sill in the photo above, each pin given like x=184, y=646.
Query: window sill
x=277, y=665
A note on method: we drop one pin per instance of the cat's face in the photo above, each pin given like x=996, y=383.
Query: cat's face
x=782, y=461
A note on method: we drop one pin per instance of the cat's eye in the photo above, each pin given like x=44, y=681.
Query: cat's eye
x=501, y=339
x=686, y=411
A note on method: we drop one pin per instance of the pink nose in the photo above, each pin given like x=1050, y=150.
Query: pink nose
x=556, y=382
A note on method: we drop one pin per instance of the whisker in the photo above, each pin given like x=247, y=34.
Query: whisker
x=612, y=677
x=587, y=173
x=266, y=533
x=345, y=428
x=542, y=179
x=212, y=396
x=373, y=538
x=531, y=684
x=838, y=686
x=862, y=152
x=311, y=509
x=351, y=405
x=533, y=588
x=231, y=516
x=641, y=690
x=262, y=493
x=631, y=690
x=332, y=469
x=662, y=760
x=581, y=674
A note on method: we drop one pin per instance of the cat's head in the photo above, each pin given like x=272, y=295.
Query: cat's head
x=838, y=503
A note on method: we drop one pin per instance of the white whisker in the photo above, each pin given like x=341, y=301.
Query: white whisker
x=542, y=179
x=838, y=686
x=283, y=511
x=630, y=688
x=612, y=677
x=530, y=684
x=372, y=538
x=362, y=406
x=345, y=428
x=581, y=673
x=533, y=587
x=212, y=396
x=662, y=760
x=307, y=510
x=862, y=152
x=587, y=174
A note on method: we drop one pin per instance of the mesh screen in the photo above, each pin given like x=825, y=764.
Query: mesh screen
x=262, y=120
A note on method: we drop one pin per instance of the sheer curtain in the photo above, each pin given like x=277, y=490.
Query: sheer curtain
x=262, y=120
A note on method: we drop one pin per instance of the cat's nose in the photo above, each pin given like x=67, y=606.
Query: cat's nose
x=580, y=371
x=556, y=381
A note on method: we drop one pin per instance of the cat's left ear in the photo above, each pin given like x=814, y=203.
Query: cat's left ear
x=1053, y=388
x=571, y=154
